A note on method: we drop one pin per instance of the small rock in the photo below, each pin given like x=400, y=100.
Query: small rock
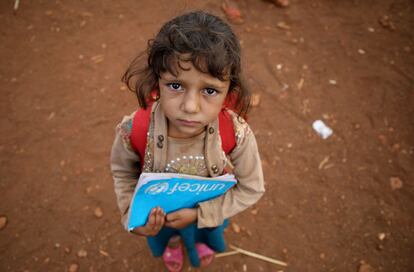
x=283, y=25
x=67, y=250
x=371, y=29
x=98, y=212
x=3, y=222
x=46, y=260
x=244, y=267
x=235, y=227
x=381, y=236
x=104, y=253
x=364, y=267
x=385, y=22
x=332, y=82
x=396, y=183
x=73, y=267
x=254, y=211
x=97, y=58
x=57, y=245
x=255, y=100
x=51, y=115
x=361, y=51
x=82, y=253
x=300, y=83
x=382, y=138
x=322, y=256
x=395, y=147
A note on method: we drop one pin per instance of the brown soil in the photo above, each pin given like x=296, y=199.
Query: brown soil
x=329, y=204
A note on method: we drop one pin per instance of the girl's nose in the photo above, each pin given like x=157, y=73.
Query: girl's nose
x=191, y=102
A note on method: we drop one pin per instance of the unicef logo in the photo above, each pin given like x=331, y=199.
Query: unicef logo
x=157, y=188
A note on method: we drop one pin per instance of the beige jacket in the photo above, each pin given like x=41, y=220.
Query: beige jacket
x=244, y=159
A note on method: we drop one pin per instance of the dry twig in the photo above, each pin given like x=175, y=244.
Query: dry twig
x=225, y=254
x=258, y=256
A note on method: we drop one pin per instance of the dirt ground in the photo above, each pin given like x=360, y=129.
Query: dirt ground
x=340, y=204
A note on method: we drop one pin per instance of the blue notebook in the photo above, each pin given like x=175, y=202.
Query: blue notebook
x=172, y=192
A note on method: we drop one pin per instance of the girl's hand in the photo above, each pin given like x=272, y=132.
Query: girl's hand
x=181, y=218
x=154, y=224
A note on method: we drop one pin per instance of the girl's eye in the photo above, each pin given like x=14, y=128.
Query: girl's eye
x=175, y=86
x=210, y=91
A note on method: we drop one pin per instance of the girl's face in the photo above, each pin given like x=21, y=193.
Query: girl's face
x=191, y=100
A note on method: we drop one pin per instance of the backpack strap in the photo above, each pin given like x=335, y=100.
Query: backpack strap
x=226, y=128
x=138, y=137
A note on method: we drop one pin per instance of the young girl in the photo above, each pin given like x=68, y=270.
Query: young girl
x=191, y=76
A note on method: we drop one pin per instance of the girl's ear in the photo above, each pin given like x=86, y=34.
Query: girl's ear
x=155, y=94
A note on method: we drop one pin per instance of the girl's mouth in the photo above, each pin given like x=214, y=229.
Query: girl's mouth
x=188, y=123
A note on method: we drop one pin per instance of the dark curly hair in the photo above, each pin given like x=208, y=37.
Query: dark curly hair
x=205, y=40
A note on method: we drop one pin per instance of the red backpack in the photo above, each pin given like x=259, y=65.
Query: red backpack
x=140, y=126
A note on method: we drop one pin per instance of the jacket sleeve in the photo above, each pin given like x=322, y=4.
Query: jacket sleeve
x=249, y=188
x=124, y=167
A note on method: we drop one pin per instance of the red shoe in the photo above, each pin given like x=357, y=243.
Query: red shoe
x=205, y=254
x=173, y=258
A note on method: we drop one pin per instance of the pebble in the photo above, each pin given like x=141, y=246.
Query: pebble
x=82, y=253
x=104, y=253
x=396, y=183
x=283, y=25
x=98, y=212
x=73, y=268
x=255, y=100
x=332, y=82
x=385, y=21
x=3, y=222
x=361, y=51
x=364, y=267
x=97, y=58
x=51, y=115
x=235, y=227
x=300, y=83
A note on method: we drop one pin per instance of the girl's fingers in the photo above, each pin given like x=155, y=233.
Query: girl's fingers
x=157, y=218
x=162, y=218
x=151, y=219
